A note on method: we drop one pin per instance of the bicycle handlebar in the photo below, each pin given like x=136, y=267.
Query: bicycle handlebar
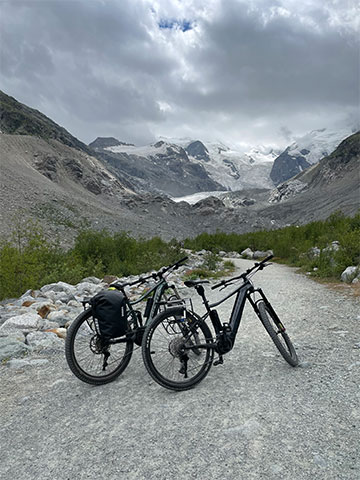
x=154, y=275
x=257, y=265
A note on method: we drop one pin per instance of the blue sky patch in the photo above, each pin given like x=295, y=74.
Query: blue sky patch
x=183, y=25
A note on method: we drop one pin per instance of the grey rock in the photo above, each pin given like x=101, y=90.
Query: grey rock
x=9, y=347
x=26, y=298
x=260, y=254
x=247, y=253
x=94, y=280
x=349, y=274
x=27, y=321
x=314, y=252
x=58, y=287
x=44, y=340
x=59, y=317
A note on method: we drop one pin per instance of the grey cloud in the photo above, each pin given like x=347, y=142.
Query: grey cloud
x=103, y=67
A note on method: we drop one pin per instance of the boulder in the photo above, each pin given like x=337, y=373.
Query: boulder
x=260, y=254
x=9, y=347
x=40, y=340
x=349, y=274
x=247, y=253
x=60, y=317
x=25, y=322
x=58, y=287
x=94, y=280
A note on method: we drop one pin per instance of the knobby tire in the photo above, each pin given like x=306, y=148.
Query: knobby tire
x=280, y=339
x=164, y=338
x=86, y=364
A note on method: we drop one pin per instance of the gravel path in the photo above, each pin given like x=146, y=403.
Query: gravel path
x=254, y=417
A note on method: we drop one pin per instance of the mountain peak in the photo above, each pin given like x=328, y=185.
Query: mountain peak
x=103, y=142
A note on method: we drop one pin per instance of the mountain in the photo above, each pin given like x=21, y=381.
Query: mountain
x=69, y=187
x=306, y=151
x=160, y=168
x=104, y=142
x=180, y=167
x=329, y=185
x=17, y=118
x=48, y=175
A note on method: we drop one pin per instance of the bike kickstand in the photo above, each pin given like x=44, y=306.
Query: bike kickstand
x=219, y=361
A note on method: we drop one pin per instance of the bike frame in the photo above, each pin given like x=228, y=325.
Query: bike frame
x=226, y=332
x=158, y=289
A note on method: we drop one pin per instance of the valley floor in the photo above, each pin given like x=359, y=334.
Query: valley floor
x=254, y=417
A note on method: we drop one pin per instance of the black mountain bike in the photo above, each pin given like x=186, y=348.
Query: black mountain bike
x=178, y=347
x=97, y=362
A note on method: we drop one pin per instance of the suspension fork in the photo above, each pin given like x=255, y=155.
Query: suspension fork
x=268, y=306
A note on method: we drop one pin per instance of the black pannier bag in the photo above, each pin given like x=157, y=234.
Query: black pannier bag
x=109, y=309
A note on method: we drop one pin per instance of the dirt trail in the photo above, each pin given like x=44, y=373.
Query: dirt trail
x=254, y=417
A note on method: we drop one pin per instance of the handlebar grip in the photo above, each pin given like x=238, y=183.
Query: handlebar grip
x=175, y=265
x=267, y=259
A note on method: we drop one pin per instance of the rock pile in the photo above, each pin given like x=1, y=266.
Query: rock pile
x=37, y=321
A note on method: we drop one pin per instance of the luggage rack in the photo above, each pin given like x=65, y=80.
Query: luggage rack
x=177, y=302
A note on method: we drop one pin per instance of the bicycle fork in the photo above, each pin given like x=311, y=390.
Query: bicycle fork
x=279, y=325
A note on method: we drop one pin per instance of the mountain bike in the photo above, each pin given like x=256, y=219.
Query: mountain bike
x=178, y=347
x=96, y=361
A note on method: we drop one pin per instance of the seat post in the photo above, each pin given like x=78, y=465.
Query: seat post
x=201, y=291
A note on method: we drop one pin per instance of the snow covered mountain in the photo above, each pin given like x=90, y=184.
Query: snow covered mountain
x=223, y=167
x=159, y=168
x=180, y=167
x=305, y=151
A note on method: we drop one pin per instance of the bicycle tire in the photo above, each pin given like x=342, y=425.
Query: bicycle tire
x=84, y=358
x=284, y=346
x=165, y=339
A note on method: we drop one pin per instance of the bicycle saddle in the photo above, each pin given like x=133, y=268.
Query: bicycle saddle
x=194, y=283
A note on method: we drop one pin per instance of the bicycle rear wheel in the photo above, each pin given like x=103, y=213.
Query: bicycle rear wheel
x=277, y=334
x=89, y=358
x=174, y=349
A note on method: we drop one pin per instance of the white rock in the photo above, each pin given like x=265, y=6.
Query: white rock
x=349, y=274
x=248, y=253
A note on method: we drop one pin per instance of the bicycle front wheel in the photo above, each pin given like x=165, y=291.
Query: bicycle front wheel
x=89, y=358
x=175, y=349
x=278, y=336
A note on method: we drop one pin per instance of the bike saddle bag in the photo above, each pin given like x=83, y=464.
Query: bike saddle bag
x=109, y=308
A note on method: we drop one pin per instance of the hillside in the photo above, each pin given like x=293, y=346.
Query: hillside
x=52, y=177
x=67, y=190
x=330, y=185
x=17, y=118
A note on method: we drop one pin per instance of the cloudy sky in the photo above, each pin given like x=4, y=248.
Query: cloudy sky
x=239, y=71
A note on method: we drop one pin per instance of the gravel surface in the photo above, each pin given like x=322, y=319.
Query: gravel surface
x=254, y=417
